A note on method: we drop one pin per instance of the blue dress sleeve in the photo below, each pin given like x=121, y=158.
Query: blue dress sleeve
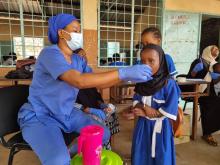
x=171, y=94
x=136, y=99
x=53, y=61
x=171, y=65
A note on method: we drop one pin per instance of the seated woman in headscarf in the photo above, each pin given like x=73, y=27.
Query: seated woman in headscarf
x=156, y=105
x=90, y=99
x=200, y=67
x=209, y=107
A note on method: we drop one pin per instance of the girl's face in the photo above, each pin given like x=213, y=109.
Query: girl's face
x=215, y=51
x=151, y=57
x=149, y=38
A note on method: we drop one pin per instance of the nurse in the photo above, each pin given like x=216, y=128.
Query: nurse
x=58, y=76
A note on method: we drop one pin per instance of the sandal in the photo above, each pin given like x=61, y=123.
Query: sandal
x=210, y=140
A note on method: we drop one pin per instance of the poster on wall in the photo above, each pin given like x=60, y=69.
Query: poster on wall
x=181, y=31
x=112, y=48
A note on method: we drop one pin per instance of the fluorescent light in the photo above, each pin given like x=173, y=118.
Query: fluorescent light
x=25, y=19
x=115, y=27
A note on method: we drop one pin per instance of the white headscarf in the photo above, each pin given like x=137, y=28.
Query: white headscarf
x=207, y=54
x=208, y=57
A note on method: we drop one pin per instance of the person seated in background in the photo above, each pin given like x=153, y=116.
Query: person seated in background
x=215, y=84
x=116, y=60
x=9, y=59
x=91, y=102
x=200, y=67
x=109, y=60
x=209, y=108
x=138, y=48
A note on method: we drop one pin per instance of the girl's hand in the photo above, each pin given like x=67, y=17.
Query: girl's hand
x=139, y=112
x=81, y=52
x=151, y=112
x=108, y=110
x=97, y=112
x=139, y=105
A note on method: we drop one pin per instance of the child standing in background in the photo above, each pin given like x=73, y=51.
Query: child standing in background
x=156, y=103
x=152, y=35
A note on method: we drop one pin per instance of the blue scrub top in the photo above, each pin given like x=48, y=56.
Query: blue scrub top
x=48, y=95
x=117, y=63
x=171, y=65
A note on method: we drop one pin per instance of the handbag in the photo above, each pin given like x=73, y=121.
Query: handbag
x=24, y=62
x=177, y=124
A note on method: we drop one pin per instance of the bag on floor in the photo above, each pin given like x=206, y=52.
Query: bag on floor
x=177, y=125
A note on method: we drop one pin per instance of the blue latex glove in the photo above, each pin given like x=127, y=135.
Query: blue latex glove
x=215, y=75
x=98, y=112
x=135, y=73
x=103, y=106
x=198, y=67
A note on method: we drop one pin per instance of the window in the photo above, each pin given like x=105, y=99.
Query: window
x=33, y=46
x=23, y=25
x=112, y=48
x=121, y=22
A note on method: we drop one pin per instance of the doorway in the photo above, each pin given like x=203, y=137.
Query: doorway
x=210, y=31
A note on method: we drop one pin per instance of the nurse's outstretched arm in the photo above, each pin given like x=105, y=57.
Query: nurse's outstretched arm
x=136, y=73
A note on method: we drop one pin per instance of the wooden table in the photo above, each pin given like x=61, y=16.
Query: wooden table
x=116, y=95
x=14, y=81
x=119, y=93
x=195, y=94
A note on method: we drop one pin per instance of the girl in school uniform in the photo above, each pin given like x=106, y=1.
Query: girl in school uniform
x=156, y=103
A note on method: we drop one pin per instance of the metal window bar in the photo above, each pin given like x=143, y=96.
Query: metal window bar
x=27, y=19
x=122, y=21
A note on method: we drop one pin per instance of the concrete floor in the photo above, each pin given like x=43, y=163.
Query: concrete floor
x=192, y=153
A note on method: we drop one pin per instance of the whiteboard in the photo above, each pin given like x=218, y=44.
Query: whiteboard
x=181, y=32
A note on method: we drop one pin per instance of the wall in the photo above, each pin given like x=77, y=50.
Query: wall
x=203, y=6
x=14, y=29
x=145, y=21
x=210, y=33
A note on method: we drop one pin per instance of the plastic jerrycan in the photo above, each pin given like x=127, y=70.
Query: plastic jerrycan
x=90, y=144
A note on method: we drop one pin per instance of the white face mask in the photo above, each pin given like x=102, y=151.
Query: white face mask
x=76, y=41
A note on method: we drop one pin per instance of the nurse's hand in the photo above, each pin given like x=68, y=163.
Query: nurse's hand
x=136, y=73
x=198, y=67
x=215, y=75
x=97, y=112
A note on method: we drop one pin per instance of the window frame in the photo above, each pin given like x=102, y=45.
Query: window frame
x=132, y=31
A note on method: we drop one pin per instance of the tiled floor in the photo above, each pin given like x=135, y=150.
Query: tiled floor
x=192, y=153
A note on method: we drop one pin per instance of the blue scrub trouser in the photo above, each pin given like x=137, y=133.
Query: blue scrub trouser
x=47, y=140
